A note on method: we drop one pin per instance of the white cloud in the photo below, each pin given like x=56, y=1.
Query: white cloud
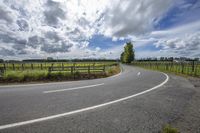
x=133, y=17
x=38, y=28
x=183, y=40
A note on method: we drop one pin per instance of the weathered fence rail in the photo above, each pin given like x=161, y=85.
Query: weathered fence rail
x=45, y=66
x=188, y=68
x=72, y=69
x=80, y=69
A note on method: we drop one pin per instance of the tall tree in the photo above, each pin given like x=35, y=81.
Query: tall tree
x=129, y=54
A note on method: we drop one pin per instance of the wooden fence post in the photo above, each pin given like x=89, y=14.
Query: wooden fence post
x=104, y=68
x=22, y=66
x=4, y=65
x=193, y=66
x=72, y=70
x=62, y=66
x=31, y=66
x=49, y=70
x=182, y=66
x=13, y=65
x=89, y=71
x=41, y=67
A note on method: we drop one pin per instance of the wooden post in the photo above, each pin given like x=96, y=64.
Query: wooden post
x=89, y=71
x=167, y=66
x=41, y=66
x=72, y=70
x=62, y=66
x=104, y=69
x=4, y=65
x=49, y=69
x=182, y=67
x=32, y=66
x=22, y=66
x=13, y=66
x=74, y=66
x=193, y=66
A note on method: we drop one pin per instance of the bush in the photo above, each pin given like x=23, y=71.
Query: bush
x=169, y=129
x=113, y=70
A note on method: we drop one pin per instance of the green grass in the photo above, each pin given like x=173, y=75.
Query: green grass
x=29, y=75
x=169, y=129
x=177, y=68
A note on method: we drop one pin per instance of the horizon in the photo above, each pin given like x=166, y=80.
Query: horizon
x=98, y=29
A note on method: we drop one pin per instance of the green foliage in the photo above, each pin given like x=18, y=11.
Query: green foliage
x=129, y=54
x=121, y=57
x=169, y=129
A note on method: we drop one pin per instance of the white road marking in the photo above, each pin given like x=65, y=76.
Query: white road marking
x=81, y=110
x=138, y=74
x=74, y=88
x=39, y=84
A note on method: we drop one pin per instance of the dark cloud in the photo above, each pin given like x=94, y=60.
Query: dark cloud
x=23, y=25
x=53, y=13
x=53, y=36
x=35, y=41
x=56, y=48
x=5, y=15
x=6, y=52
x=6, y=38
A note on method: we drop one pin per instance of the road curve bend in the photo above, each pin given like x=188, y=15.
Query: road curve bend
x=23, y=106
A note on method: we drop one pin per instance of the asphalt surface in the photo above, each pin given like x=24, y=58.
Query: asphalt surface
x=86, y=106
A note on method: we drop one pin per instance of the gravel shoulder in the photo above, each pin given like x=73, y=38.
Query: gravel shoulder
x=189, y=121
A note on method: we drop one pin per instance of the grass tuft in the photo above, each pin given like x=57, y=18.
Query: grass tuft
x=169, y=129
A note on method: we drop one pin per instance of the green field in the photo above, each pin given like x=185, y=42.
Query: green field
x=183, y=68
x=28, y=72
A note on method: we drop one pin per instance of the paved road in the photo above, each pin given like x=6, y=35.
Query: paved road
x=135, y=100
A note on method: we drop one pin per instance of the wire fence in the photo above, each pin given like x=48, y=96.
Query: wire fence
x=191, y=68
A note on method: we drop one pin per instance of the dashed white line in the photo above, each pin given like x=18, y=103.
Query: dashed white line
x=74, y=88
x=138, y=74
x=81, y=110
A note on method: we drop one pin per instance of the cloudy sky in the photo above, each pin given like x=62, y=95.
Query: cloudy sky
x=98, y=28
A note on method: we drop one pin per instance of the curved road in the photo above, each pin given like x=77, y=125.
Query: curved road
x=132, y=101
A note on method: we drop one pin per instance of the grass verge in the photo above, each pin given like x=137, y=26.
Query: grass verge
x=169, y=129
x=45, y=76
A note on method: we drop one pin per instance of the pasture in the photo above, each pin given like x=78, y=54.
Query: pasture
x=56, y=71
x=190, y=68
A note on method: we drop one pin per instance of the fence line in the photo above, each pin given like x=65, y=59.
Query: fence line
x=45, y=66
x=73, y=68
x=191, y=68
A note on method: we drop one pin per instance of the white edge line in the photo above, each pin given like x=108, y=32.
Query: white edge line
x=74, y=88
x=17, y=124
